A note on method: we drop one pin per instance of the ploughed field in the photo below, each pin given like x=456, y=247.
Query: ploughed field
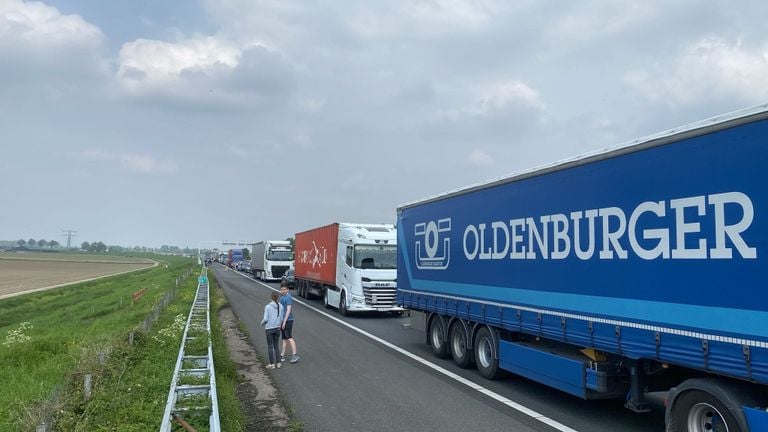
x=21, y=272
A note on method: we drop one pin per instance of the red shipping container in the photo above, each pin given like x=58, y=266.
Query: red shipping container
x=316, y=254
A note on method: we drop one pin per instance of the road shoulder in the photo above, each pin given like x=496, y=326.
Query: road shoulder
x=261, y=402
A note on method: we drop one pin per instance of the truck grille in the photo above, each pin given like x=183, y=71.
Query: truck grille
x=380, y=297
x=279, y=271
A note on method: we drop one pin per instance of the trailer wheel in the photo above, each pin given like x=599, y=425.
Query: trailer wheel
x=343, y=304
x=462, y=355
x=437, y=338
x=485, y=355
x=699, y=411
x=325, y=300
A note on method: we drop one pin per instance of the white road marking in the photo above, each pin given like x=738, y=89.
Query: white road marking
x=474, y=386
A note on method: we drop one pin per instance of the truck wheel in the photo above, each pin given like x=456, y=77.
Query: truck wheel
x=485, y=355
x=437, y=338
x=699, y=411
x=325, y=300
x=462, y=355
x=343, y=304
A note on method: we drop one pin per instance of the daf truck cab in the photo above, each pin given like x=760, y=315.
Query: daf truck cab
x=271, y=259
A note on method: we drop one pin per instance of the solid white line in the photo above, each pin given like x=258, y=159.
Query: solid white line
x=474, y=386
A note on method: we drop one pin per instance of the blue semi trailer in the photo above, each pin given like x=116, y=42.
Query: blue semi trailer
x=639, y=269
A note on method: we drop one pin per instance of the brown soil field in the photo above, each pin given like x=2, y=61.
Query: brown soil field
x=54, y=256
x=21, y=273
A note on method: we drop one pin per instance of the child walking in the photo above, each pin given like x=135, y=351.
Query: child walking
x=273, y=318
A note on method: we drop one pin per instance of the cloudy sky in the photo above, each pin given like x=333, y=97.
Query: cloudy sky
x=168, y=122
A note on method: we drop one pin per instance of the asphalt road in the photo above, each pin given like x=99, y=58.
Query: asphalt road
x=347, y=381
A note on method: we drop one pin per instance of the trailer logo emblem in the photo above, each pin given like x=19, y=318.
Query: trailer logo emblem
x=315, y=256
x=435, y=255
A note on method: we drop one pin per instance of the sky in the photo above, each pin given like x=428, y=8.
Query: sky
x=181, y=123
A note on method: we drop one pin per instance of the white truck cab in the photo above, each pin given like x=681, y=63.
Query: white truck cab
x=366, y=269
x=271, y=259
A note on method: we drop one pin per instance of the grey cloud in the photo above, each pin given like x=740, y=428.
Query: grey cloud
x=349, y=108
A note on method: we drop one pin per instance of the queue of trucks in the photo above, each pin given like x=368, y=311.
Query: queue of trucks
x=634, y=270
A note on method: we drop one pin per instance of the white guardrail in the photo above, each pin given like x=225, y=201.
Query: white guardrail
x=192, y=397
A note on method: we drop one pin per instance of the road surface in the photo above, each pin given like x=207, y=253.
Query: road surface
x=349, y=379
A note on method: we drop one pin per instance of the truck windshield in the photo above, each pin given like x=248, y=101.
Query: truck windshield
x=375, y=257
x=280, y=255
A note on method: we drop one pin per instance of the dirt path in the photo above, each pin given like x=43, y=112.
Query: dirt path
x=264, y=409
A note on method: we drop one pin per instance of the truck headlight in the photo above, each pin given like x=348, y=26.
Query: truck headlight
x=358, y=300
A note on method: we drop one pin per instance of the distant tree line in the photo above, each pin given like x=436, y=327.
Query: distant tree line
x=175, y=250
x=94, y=247
x=100, y=247
x=41, y=243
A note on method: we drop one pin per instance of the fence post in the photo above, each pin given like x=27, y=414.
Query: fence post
x=40, y=427
x=88, y=386
x=130, y=339
x=102, y=358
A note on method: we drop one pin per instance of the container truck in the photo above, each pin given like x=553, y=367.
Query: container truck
x=350, y=266
x=271, y=259
x=637, y=269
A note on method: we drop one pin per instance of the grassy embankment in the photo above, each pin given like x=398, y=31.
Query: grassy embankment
x=45, y=359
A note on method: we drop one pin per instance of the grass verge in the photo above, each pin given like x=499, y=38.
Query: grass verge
x=230, y=411
x=50, y=340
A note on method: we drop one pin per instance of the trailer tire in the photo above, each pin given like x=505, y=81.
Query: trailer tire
x=485, y=348
x=699, y=411
x=458, y=341
x=343, y=304
x=325, y=300
x=437, y=339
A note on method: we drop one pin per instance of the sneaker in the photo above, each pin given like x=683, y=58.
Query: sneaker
x=278, y=365
x=294, y=358
x=270, y=366
x=282, y=358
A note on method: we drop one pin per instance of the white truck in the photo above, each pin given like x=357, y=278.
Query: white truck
x=352, y=267
x=271, y=259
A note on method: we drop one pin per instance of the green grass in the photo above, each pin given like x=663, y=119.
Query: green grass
x=67, y=328
x=230, y=411
x=133, y=388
